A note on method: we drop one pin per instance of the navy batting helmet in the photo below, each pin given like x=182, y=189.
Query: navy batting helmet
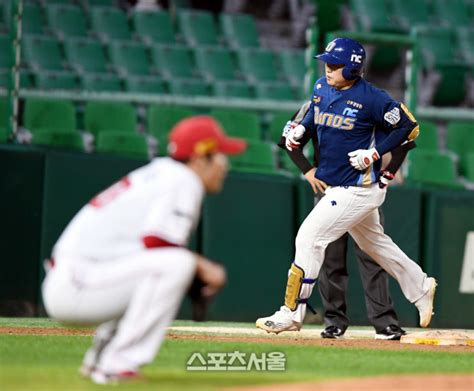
x=345, y=51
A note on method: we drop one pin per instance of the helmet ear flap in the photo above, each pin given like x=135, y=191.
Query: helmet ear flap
x=350, y=73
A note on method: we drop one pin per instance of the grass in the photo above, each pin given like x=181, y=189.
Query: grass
x=50, y=363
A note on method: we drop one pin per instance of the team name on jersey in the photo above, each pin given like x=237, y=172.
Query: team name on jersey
x=333, y=120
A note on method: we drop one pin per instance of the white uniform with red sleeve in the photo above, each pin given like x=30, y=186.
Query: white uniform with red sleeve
x=121, y=262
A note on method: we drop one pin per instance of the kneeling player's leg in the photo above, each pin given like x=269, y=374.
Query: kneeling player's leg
x=152, y=307
x=103, y=335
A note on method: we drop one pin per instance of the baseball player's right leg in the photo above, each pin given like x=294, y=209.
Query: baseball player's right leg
x=416, y=286
x=339, y=210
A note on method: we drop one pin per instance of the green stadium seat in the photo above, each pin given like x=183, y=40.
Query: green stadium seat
x=4, y=78
x=438, y=49
x=129, y=58
x=109, y=116
x=374, y=15
x=62, y=2
x=197, y=27
x=239, y=30
x=215, y=63
x=6, y=53
x=110, y=23
x=178, y=4
x=276, y=125
x=329, y=15
x=3, y=135
x=275, y=91
x=431, y=168
x=236, y=123
x=258, y=157
x=257, y=65
x=55, y=139
x=85, y=55
x=32, y=20
x=26, y=79
x=293, y=65
x=161, y=119
x=460, y=140
x=42, y=53
x=3, y=112
x=188, y=87
x=48, y=114
x=412, y=13
x=438, y=46
x=56, y=81
x=233, y=89
x=453, y=13
x=101, y=82
x=428, y=137
x=100, y=3
x=154, y=27
x=173, y=61
x=67, y=20
x=125, y=144
x=150, y=84
x=470, y=167
x=465, y=39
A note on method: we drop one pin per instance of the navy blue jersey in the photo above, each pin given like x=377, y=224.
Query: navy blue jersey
x=361, y=117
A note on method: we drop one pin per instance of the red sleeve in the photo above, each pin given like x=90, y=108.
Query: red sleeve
x=155, y=241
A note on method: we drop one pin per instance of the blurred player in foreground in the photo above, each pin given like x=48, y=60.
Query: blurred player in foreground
x=356, y=124
x=122, y=261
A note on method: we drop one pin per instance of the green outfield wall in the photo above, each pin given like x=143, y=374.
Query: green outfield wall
x=249, y=227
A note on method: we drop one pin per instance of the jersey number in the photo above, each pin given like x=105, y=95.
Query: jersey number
x=111, y=193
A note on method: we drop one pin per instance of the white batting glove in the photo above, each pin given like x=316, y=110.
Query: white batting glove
x=363, y=158
x=294, y=134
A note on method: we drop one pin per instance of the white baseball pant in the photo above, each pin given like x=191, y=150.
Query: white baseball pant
x=353, y=209
x=135, y=298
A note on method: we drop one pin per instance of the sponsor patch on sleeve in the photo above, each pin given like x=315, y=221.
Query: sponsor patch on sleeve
x=392, y=116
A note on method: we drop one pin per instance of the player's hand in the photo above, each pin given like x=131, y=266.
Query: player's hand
x=363, y=158
x=316, y=184
x=294, y=134
x=385, y=178
x=212, y=275
x=288, y=126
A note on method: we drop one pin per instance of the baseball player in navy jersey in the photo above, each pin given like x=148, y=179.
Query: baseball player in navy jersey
x=333, y=276
x=356, y=124
x=122, y=261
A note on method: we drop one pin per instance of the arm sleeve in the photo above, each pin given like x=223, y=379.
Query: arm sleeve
x=398, y=156
x=297, y=155
x=300, y=160
x=396, y=119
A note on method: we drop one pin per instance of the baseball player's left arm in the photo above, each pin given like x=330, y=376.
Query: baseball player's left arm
x=397, y=157
x=397, y=120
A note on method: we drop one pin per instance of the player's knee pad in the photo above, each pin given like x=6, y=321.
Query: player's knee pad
x=296, y=279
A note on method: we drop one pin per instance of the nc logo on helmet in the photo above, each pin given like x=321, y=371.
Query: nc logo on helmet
x=330, y=46
x=356, y=58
